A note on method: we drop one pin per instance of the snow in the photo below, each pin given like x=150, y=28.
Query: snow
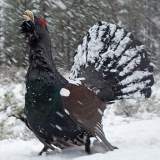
x=122, y=2
x=64, y=92
x=60, y=114
x=58, y=127
x=136, y=138
x=110, y=48
x=11, y=101
x=66, y=111
x=60, y=4
x=77, y=81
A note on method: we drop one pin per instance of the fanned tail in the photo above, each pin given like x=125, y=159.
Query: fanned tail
x=114, y=64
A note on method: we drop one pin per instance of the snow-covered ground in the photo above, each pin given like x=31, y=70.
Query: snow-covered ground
x=137, y=136
x=137, y=139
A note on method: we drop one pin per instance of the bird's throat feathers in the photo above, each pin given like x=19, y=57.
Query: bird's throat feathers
x=41, y=22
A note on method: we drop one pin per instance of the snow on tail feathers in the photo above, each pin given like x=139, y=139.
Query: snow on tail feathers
x=113, y=63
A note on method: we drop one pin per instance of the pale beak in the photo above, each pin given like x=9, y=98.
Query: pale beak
x=28, y=15
x=26, y=18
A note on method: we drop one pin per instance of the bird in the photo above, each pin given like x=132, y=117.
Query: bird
x=60, y=114
x=113, y=63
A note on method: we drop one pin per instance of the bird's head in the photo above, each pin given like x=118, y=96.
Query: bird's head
x=28, y=16
x=35, y=30
x=37, y=35
x=33, y=24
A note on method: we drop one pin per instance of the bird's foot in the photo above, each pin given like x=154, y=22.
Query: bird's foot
x=44, y=149
x=87, y=145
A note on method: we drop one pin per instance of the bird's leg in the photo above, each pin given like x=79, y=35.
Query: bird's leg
x=87, y=145
x=44, y=149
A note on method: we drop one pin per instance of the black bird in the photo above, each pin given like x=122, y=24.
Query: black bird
x=59, y=113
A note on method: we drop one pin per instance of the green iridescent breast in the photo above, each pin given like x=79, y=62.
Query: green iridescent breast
x=41, y=99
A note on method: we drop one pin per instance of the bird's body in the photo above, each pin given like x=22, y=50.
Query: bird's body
x=43, y=103
x=45, y=113
x=58, y=119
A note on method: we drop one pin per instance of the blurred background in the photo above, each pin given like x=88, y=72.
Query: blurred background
x=68, y=22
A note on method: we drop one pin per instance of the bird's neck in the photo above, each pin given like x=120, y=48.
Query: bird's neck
x=41, y=66
x=41, y=61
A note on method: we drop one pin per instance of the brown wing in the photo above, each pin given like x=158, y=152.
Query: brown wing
x=84, y=106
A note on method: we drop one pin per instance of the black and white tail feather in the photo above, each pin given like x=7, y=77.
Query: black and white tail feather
x=99, y=134
x=113, y=63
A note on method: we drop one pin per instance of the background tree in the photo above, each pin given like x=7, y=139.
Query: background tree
x=69, y=20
